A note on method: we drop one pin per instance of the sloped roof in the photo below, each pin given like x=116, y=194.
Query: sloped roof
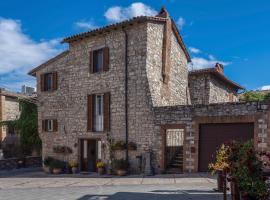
x=140, y=19
x=33, y=71
x=218, y=75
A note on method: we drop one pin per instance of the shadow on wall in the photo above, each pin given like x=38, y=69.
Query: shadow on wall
x=159, y=195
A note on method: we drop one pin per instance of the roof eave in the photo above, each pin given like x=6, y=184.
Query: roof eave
x=33, y=71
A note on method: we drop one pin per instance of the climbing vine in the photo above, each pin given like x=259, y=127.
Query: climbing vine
x=27, y=127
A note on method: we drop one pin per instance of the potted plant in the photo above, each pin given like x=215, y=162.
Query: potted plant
x=62, y=149
x=74, y=166
x=119, y=145
x=57, y=166
x=246, y=171
x=100, y=167
x=47, y=164
x=221, y=166
x=120, y=166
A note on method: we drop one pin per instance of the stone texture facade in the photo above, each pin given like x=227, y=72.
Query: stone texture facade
x=68, y=104
x=192, y=116
x=9, y=109
x=208, y=86
x=152, y=103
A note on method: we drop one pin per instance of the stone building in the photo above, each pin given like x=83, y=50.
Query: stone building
x=210, y=85
x=129, y=82
x=9, y=110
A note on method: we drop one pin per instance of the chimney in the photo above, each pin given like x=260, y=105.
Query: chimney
x=163, y=13
x=219, y=67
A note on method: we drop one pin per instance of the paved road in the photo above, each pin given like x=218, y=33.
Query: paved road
x=169, y=187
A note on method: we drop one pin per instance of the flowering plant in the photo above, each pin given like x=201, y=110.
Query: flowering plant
x=221, y=163
x=100, y=164
x=73, y=164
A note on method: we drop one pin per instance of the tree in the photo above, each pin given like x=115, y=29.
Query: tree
x=255, y=96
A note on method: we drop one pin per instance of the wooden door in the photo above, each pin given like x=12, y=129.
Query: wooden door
x=88, y=155
x=213, y=135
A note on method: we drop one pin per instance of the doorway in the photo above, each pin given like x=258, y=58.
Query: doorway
x=90, y=153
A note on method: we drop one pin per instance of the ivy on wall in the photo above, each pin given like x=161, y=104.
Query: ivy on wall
x=27, y=127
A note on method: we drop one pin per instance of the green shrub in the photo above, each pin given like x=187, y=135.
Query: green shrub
x=246, y=169
x=48, y=160
x=57, y=164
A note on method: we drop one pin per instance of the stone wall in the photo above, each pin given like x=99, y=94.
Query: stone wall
x=9, y=111
x=199, y=89
x=220, y=92
x=175, y=91
x=13, y=163
x=207, y=89
x=192, y=116
x=68, y=104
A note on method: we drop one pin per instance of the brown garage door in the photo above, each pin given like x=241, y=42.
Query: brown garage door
x=213, y=135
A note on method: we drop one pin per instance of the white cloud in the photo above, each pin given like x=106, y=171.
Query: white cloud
x=19, y=53
x=266, y=87
x=194, y=50
x=86, y=25
x=118, y=13
x=180, y=22
x=211, y=57
x=202, y=63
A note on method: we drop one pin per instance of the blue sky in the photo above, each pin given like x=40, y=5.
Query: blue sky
x=236, y=33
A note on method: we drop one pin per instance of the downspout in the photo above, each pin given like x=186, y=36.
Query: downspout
x=126, y=91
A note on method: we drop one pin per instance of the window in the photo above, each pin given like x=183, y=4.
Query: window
x=48, y=82
x=98, y=60
x=98, y=113
x=49, y=125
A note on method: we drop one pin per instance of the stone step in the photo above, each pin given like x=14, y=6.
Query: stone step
x=174, y=170
x=177, y=161
x=177, y=165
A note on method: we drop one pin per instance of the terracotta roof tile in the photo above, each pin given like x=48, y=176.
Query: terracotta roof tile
x=217, y=74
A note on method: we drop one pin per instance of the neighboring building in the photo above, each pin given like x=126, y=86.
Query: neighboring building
x=210, y=85
x=129, y=81
x=26, y=90
x=9, y=110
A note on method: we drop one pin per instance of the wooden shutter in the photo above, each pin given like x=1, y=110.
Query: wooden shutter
x=90, y=112
x=55, y=125
x=55, y=80
x=106, y=111
x=106, y=58
x=41, y=82
x=91, y=62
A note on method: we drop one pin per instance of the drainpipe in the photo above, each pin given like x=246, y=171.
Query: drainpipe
x=126, y=90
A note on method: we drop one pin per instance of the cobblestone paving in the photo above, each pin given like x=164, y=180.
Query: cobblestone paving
x=167, y=187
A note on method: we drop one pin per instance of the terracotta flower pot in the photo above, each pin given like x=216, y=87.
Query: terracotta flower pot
x=220, y=181
x=47, y=169
x=101, y=171
x=57, y=170
x=121, y=172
